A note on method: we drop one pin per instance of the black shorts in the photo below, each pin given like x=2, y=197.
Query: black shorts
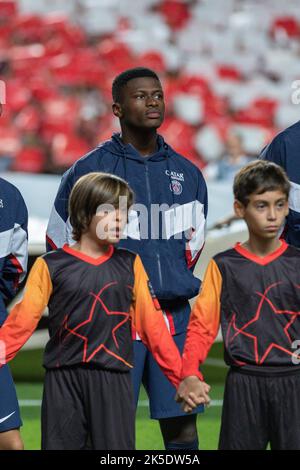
x=258, y=410
x=87, y=408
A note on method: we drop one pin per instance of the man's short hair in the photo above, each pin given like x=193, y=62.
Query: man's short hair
x=258, y=177
x=121, y=80
x=90, y=192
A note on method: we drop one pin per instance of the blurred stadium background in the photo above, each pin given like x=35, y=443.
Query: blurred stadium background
x=228, y=68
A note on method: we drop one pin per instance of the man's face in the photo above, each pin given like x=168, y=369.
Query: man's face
x=141, y=104
x=265, y=213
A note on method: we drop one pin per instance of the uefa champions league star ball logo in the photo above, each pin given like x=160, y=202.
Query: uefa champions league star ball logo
x=176, y=187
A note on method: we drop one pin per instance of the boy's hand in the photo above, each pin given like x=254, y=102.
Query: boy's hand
x=192, y=392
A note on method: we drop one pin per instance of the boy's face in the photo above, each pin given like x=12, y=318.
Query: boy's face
x=108, y=225
x=264, y=214
x=142, y=104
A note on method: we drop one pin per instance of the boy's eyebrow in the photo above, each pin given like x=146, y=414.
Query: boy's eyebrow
x=283, y=198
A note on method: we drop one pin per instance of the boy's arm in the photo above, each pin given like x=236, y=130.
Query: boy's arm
x=15, y=264
x=148, y=320
x=204, y=322
x=24, y=317
x=59, y=228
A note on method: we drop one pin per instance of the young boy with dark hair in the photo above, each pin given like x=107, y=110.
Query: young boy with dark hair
x=93, y=291
x=253, y=291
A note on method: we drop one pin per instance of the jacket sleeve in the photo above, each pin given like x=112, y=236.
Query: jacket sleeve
x=196, y=238
x=204, y=322
x=24, y=317
x=147, y=319
x=15, y=265
x=59, y=230
x=276, y=151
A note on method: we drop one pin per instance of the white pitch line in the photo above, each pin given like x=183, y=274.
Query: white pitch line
x=211, y=361
x=30, y=403
x=141, y=404
x=145, y=403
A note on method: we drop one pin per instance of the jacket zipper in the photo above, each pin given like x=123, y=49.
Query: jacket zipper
x=159, y=269
x=150, y=200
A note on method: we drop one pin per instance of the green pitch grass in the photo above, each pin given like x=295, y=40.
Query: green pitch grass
x=28, y=374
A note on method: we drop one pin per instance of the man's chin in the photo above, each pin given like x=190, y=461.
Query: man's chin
x=154, y=124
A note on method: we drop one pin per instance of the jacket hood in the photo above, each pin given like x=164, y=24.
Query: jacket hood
x=117, y=147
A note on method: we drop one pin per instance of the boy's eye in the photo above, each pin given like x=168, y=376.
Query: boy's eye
x=103, y=213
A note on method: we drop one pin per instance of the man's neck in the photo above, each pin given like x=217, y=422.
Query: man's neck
x=145, y=142
x=261, y=247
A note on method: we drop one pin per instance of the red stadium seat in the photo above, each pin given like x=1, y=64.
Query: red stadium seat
x=266, y=105
x=153, y=60
x=59, y=116
x=29, y=119
x=10, y=141
x=289, y=24
x=194, y=85
x=261, y=111
x=8, y=8
x=17, y=95
x=216, y=107
x=59, y=24
x=181, y=137
x=29, y=27
x=66, y=149
x=27, y=60
x=41, y=89
x=5, y=34
x=115, y=56
x=176, y=13
x=29, y=159
x=229, y=72
x=81, y=68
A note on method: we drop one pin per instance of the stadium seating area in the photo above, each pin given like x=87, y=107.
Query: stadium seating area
x=225, y=65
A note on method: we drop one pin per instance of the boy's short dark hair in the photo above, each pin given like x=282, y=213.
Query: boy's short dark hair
x=121, y=80
x=90, y=192
x=258, y=177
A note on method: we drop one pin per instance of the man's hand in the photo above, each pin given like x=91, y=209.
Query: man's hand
x=192, y=392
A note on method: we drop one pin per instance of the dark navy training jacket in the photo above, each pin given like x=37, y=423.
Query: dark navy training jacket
x=13, y=243
x=168, y=243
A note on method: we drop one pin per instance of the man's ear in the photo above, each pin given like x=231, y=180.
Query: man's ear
x=239, y=209
x=117, y=110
